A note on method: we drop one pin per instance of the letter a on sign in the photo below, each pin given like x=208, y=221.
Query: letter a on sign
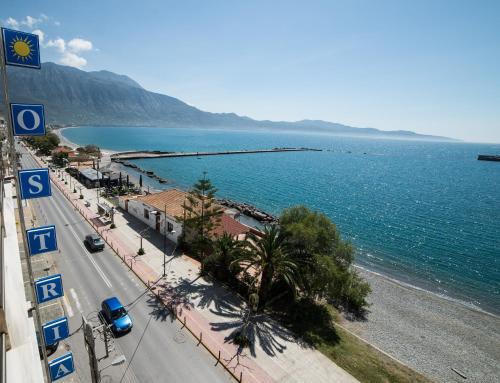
x=55, y=330
x=21, y=48
x=61, y=367
x=49, y=288
x=35, y=183
x=42, y=239
x=28, y=119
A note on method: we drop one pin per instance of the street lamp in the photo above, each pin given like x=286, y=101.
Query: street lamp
x=98, y=180
x=165, y=240
x=115, y=362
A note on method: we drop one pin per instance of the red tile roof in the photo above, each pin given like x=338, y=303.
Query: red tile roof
x=230, y=226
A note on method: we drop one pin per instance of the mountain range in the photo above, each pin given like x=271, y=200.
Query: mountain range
x=75, y=97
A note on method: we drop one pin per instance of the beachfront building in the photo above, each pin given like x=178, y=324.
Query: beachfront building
x=92, y=178
x=166, y=209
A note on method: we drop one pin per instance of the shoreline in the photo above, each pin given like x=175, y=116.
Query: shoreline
x=430, y=332
x=146, y=180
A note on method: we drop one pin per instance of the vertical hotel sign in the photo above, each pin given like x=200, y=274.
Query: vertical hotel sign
x=23, y=50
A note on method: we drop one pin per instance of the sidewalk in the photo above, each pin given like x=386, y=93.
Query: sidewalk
x=212, y=313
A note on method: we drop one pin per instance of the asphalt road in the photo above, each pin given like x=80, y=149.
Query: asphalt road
x=157, y=349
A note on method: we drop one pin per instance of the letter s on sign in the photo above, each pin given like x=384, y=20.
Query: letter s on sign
x=34, y=181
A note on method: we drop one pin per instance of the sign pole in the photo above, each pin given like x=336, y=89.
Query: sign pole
x=15, y=169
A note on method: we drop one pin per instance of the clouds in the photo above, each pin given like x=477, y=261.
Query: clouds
x=79, y=45
x=58, y=43
x=28, y=21
x=72, y=59
x=69, y=52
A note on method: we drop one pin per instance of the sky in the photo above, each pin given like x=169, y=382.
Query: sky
x=432, y=67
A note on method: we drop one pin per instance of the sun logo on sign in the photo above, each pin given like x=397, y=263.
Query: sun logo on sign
x=22, y=49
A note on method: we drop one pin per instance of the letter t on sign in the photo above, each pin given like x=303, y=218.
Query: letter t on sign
x=42, y=239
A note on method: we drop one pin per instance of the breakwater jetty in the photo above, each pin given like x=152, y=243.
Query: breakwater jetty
x=488, y=157
x=135, y=155
x=249, y=210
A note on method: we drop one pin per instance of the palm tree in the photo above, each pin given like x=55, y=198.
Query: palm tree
x=272, y=259
x=226, y=250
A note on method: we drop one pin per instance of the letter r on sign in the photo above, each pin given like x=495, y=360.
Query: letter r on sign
x=49, y=288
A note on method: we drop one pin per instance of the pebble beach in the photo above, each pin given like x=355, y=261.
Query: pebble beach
x=429, y=333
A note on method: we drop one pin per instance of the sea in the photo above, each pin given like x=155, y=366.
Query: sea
x=424, y=213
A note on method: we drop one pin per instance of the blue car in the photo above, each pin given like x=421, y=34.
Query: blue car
x=115, y=314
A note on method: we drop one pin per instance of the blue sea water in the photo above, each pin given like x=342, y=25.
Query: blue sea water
x=424, y=213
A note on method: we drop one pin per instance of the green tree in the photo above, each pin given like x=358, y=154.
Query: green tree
x=226, y=249
x=90, y=150
x=44, y=144
x=270, y=260
x=59, y=159
x=201, y=216
x=326, y=260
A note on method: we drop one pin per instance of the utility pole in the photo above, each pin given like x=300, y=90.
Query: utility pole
x=90, y=346
x=164, y=239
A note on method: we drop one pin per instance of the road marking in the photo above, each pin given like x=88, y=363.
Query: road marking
x=75, y=298
x=78, y=240
x=69, y=309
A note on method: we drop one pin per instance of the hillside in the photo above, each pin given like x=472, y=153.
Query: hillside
x=75, y=97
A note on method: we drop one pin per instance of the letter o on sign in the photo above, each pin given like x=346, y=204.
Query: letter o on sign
x=21, y=119
x=28, y=119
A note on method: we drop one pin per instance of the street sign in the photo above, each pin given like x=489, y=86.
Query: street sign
x=48, y=288
x=55, y=330
x=42, y=239
x=35, y=183
x=61, y=367
x=28, y=119
x=21, y=48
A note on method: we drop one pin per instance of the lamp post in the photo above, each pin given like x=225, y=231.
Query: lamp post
x=120, y=359
x=165, y=240
x=98, y=180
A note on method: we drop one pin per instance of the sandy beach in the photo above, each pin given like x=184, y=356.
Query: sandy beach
x=429, y=333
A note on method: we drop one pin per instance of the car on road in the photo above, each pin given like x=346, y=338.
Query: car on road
x=94, y=242
x=116, y=315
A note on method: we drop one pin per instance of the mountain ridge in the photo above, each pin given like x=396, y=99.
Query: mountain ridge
x=75, y=97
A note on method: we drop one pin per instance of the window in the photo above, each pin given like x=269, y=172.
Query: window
x=146, y=213
x=170, y=227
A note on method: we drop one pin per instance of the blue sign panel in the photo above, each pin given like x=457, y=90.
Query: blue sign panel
x=35, y=183
x=28, y=119
x=61, y=367
x=21, y=48
x=55, y=330
x=49, y=288
x=42, y=239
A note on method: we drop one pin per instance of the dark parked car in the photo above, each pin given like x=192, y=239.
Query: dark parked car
x=115, y=315
x=94, y=242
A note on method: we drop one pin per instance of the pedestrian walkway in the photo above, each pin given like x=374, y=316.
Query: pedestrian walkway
x=212, y=313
